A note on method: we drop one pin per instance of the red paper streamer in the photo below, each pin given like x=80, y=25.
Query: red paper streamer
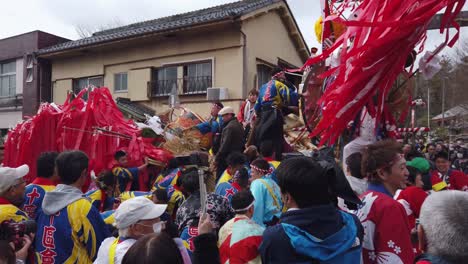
x=379, y=37
x=72, y=126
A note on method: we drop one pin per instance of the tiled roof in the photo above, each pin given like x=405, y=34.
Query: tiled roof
x=213, y=14
x=135, y=110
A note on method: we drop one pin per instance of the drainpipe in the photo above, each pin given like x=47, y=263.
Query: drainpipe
x=244, y=64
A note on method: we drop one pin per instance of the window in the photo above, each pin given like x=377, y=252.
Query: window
x=120, y=82
x=8, y=79
x=164, y=80
x=197, y=78
x=81, y=83
x=263, y=74
x=29, y=69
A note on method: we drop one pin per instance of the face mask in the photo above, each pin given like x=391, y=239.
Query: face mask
x=158, y=227
x=460, y=155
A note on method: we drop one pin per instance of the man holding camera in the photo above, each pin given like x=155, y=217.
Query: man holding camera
x=12, y=187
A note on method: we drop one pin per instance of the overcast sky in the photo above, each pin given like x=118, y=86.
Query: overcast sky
x=62, y=17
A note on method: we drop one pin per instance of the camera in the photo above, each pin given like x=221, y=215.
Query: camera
x=14, y=231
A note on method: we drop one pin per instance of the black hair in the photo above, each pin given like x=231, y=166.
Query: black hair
x=151, y=247
x=171, y=165
x=414, y=153
x=190, y=181
x=243, y=177
x=107, y=179
x=353, y=162
x=161, y=194
x=70, y=165
x=46, y=164
x=253, y=91
x=441, y=155
x=236, y=159
x=275, y=71
x=413, y=172
x=119, y=154
x=266, y=148
x=305, y=180
x=219, y=104
x=241, y=200
x=261, y=164
x=179, y=180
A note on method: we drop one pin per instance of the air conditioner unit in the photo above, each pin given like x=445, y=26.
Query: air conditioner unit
x=216, y=94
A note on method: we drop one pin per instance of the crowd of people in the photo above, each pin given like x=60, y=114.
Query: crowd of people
x=393, y=203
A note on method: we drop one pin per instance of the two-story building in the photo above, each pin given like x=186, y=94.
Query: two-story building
x=22, y=88
x=232, y=47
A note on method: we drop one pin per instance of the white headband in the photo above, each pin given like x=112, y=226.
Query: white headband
x=246, y=208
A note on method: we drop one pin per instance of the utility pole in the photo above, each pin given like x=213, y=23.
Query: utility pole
x=443, y=102
x=428, y=104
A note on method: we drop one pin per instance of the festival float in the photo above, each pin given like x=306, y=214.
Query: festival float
x=360, y=87
x=95, y=126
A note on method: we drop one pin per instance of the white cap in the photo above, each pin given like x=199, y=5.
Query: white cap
x=136, y=209
x=10, y=176
x=226, y=110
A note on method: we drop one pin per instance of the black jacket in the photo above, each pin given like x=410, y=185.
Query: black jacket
x=206, y=250
x=232, y=139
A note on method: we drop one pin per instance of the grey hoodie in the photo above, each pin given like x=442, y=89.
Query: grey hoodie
x=59, y=198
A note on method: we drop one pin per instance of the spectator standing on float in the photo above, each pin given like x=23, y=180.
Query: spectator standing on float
x=247, y=112
x=213, y=125
x=69, y=228
x=443, y=228
x=276, y=98
x=313, y=230
x=387, y=233
x=45, y=181
x=232, y=139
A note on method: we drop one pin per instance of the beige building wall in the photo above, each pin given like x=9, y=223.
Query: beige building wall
x=222, y=48
x=60, y=89
x=268, y=40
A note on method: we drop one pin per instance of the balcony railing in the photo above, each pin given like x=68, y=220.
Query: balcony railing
x=15, y=101
x=188, y=85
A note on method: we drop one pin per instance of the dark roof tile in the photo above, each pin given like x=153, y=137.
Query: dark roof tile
x=212, y=14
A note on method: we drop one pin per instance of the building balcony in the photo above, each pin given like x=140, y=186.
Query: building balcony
x=11, y=103
x=184, y=86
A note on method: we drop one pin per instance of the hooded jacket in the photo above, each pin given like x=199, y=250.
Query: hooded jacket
x=69, y=228
x=318, y=234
